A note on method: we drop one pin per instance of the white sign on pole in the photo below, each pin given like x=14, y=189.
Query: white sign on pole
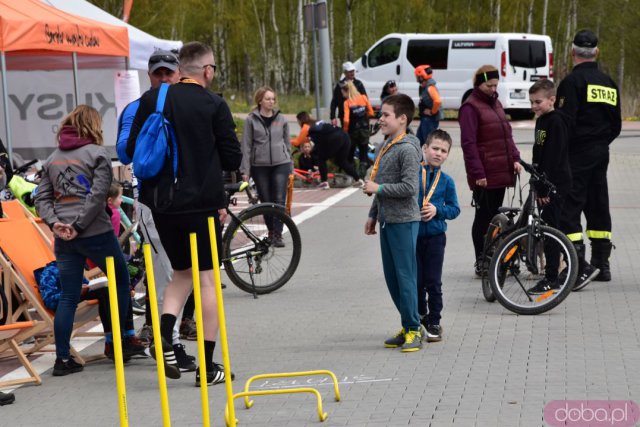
x=127, y=88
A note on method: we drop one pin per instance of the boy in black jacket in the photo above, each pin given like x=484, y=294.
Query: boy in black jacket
x=551, y=155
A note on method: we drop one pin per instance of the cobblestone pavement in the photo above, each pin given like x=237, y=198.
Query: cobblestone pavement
x=493, y=368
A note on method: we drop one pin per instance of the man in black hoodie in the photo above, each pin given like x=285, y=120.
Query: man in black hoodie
x=207, y=145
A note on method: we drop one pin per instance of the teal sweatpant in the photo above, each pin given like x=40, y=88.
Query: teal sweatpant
x=398, y=247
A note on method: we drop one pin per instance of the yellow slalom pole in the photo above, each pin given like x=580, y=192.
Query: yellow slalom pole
x=197, y=298
x=221, y=320
x=117, y=343
x=155, y=321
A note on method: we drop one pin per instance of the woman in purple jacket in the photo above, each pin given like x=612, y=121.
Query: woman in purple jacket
x=490, y=155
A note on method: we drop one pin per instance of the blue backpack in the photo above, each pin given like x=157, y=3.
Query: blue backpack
x=155, y=143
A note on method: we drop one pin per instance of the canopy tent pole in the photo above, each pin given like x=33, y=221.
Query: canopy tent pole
x=5, y=103
x=74, y=60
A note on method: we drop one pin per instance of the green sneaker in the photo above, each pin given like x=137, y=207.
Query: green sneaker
x=412, y=341
x=396, y=341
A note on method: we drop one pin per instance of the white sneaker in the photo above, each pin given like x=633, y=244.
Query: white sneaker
x=324, y=185
x=358, y=184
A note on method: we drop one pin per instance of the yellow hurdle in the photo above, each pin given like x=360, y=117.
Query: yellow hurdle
x=155, y=321
x=197, y=298
x=117, y=343
x=249, y=403
x=321, y=414
x=223, y=325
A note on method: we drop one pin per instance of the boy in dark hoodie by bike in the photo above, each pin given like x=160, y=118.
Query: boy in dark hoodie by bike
x=394, y=182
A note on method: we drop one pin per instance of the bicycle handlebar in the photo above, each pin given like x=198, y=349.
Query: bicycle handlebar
x=25, y=167
x=540, y=177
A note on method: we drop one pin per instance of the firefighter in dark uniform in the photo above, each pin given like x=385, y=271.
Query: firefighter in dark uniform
x=590, y=101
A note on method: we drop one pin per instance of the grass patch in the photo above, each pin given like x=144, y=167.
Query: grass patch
x=288, y=104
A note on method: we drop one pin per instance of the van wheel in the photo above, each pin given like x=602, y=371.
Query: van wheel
x=520, y=114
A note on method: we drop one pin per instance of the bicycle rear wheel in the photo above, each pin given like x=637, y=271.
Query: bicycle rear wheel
x=497, y=228
x=250, y=256
x=512, y=277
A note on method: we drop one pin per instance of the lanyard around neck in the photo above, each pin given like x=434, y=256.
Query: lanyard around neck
x=432, y=189
x=376, y=165
x=189, y=80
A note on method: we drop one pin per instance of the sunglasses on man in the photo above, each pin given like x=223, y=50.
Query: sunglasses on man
x=163, y=58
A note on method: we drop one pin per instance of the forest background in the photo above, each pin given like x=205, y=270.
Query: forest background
x=259, y=42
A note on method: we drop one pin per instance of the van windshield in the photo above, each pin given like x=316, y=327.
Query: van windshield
x=527, y=53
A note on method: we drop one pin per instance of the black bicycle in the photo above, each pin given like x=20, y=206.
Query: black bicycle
x=514, y=250
x=254, y=260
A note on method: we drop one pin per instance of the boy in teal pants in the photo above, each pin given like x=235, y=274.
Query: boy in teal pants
x=394, y=182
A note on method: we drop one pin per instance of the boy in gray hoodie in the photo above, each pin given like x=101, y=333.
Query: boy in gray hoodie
x=394, y=182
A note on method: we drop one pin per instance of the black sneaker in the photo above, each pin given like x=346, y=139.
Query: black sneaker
x=109, y=352
x=586, y=274
x=185, y=362
x=477, y=269
x=434, y=333
x=133, y=346
x=171, y=369
x=62, y=368
x=544, y=285
x=278, y=242
x=6, y=398
x=215, y=376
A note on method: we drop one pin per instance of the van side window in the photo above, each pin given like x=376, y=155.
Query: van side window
x=432, y=52
x=387, y=51
x=527, y=53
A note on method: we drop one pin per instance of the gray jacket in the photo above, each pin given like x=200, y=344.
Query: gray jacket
x=262, y=146
x=74, y=188
x=398, y=174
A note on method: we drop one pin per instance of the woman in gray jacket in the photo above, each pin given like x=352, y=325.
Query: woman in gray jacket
x=266, y=156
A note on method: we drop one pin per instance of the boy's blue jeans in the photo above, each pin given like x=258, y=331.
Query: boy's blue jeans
x=430, y=257
x=398, y=247
x=71, y=256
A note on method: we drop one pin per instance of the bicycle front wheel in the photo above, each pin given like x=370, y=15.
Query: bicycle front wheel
x=518, y=267
x=261, y=249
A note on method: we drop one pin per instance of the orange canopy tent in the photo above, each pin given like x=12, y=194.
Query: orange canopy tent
x=34, y=35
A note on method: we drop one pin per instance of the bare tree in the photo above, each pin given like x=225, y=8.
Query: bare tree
x=349, y=23
x=496, y=15
x=301, y=50
x=625, y=5
x=278, y=63
x=544, y=16
x=262, y=32
x=530, y=16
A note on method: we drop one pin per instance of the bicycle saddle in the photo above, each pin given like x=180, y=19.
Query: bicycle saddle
x=508, y=210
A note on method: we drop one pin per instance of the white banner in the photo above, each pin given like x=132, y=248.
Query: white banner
x=39, y=100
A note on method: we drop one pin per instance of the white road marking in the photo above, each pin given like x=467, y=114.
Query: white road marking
x=45, y=360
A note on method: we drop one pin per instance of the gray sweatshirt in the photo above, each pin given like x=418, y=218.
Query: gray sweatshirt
x=74, y=186
x=262, y=145
x=398, y=173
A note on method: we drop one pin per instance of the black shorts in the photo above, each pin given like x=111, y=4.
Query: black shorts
x=174, y=231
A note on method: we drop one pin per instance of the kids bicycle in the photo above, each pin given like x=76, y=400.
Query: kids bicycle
x=254, y=261
x=515, y=248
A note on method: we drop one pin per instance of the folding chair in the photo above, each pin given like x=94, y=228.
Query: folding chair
x=12, y=348
x=26, y=248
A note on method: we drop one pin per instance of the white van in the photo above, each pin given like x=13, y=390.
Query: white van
x=520, y=58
